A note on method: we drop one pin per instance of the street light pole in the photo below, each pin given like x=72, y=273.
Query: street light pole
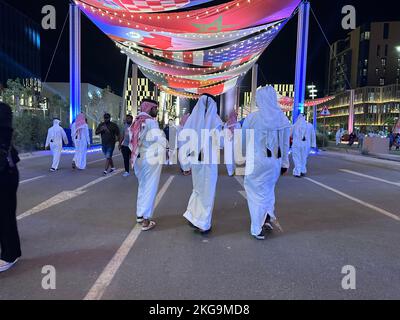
x=313, y=94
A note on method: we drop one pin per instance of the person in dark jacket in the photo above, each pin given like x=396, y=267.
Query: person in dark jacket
x=9, y=180
x=110, y=134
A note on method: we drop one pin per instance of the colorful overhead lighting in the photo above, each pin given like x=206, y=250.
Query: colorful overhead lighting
x=191, y=50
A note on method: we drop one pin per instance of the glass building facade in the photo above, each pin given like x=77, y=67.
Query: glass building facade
x=19, y=46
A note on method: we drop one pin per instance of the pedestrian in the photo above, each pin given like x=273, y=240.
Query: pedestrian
x=124, y=145
x=148, y=145
x=391, y=140
x=304, y=139
x=171, y=133
x=109, y=132
x=229, y=142
x=55, y=138
x=9, y=180
x=266, y=160
x=352, y=138
x=397, y=141
x=204, y=169
x=339, y=135
x=80, y=137
x=179, y=129
x=360, y=138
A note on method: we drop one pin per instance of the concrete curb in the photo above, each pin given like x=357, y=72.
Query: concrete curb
x=35, y=154
x=356, y=152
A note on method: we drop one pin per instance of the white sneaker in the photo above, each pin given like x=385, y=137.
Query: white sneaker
x=126, y=174
x=4, y=266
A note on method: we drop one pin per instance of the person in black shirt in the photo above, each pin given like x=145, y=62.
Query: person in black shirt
x=109, y=132
x=9, y=180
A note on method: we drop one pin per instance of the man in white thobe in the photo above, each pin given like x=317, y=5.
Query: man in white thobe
x=148, y=146
x=229, y=142
x=339, y=135
x=266, y=159
x=172, y=142
x=303, y=140
x=55, y=138
x=203, y=162
x=81, y=138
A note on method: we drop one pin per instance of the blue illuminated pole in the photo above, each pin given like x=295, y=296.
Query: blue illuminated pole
x=74, y=61
x=301, y=59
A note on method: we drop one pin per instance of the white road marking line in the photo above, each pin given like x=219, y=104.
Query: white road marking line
x=363, y=203
x=240, y=180
x=370, y=177
x=102, y=159
x=243, y=193
x=31, y=179
x=64, y=196
x=97, y=291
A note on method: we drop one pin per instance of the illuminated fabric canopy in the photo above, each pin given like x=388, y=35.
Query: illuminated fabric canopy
x=188, y=50
x=287, y=102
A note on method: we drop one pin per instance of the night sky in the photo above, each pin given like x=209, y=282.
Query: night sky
x=103, y=64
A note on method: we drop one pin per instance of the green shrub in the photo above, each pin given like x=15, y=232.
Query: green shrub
x=320, y=139
x=30, y=132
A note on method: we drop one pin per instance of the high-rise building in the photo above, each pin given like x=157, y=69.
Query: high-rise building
x=375, y=108
x=169, y=106
x=285, y=90
x=368, y=56
x=19, y=46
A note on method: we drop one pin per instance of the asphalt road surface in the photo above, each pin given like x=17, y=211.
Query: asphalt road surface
x=345, y=213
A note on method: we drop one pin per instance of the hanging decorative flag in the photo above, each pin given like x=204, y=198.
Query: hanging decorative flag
x=190, y=51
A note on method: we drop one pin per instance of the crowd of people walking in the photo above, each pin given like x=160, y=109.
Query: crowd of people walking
x=264, y=140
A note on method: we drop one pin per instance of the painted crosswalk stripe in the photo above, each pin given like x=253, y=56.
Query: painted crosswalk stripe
x=363, y=203
x=370, y=177
x=31, y=179
x=104, y=280
x=64, y=196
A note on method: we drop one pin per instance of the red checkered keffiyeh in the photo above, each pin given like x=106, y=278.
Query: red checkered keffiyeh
x=136, y=127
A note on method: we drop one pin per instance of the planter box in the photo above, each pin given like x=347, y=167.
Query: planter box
x=376, y=145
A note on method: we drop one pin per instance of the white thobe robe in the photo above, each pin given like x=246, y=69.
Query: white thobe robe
x=81, y=142
x=55, y=137
x=201, y=202
x=338, y=137
x=148, y=166
x=271, y=130
x=173, y=145
x=204, y=174
x=262, y=172
x=303, y=140
x=229, y=149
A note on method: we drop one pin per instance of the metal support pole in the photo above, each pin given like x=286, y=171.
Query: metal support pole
x=315, y=117
x=134, y=93
x=230, y=101
x=125, y=91
x=74, y=61
x=351, y=112
x=301, y=59
x=254, y=84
